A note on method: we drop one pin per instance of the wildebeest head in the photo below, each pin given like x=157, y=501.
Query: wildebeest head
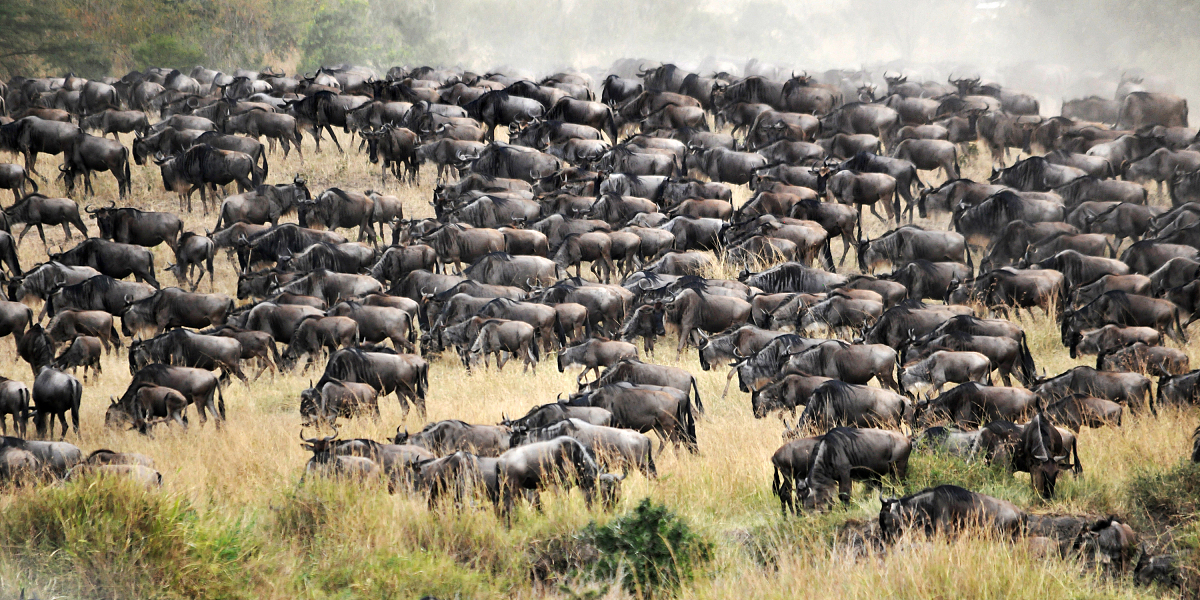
x=310, y=404
x=104, y=217
x=320, y=447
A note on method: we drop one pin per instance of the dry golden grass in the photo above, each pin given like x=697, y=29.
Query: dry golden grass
x=263, y=537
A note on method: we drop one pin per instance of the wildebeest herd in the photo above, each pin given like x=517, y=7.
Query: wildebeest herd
x=639, y=187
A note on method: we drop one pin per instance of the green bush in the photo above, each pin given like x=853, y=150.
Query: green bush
x=1171, y=493
x=109, y=537
x=652, y=548
x=167, y=51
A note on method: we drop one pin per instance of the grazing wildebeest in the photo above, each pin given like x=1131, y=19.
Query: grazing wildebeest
x=948, y=508
x=55, y=393
x=405, y=374
x=786, y=393
x=792, y=462
x=337, y=399
x=944, y=367
x=563, y=460
x=847, y=453
x=593, y=354
x=1179, y=390
x=194, y=250
x=36, y=348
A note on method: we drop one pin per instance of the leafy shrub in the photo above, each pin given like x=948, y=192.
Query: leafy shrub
x=651, y=548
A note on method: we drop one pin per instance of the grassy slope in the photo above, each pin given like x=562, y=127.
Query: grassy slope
x=231, y=520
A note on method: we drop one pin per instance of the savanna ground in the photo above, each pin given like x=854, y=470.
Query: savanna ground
x=233, y=521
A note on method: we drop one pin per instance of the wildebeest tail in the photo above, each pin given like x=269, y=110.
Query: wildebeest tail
x=32, y=182
x=412, y=332
x=128, y=174
x=558, y=331
x=685, y=419
x=696, y=391
x=1028, y=367
x=827, y=256
x=220, y=402
x=265, y=167
x=777, y=484
x=537, y=354
x=423, y=381
x=297, y=133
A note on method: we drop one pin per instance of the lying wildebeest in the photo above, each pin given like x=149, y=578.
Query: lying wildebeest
x=593, y=354
x=55, y=393
x=1130, y=389
x=446, y=437
x=944, y=367
x=337, y=399
x=838, y=404
x=1077, y=410
x=972, y=405
x=1141, y=358
x=847, y=453
x=948, y=508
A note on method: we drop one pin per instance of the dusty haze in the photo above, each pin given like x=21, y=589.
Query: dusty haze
x=1072, y=48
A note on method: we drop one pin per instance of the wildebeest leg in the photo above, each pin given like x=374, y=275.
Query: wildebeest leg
x=28, y=226
x=42, y=233
x=335, y=140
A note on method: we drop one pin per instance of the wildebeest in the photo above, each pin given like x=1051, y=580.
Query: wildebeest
x=337, y=399
x=1120, y=308
x=497, y=336
x=204, y=167
x=83, y=352
x=15, y=401
x=96, y=293
x=666, y=411
x=634, y=371
x=173, y=307
x=55, y=393
x=944, y=367
x=133, y=226
x=910, y=243
x=847, y=453
x=533, y=466
x=948, y=508
x=315, y=333
x=184, y=348
x=13, y=177
x=838, y=404
x=1109, y=337
x=593, y=354
x=1141, y=358
x=850, y=363
x=332, y=287
x=336, y=208
x=114, y=259
x=36, y=210
x=1040, y=452
x=449, y=436
x=612, y=447
x=972, y=405
x=405, y=374
x=1147, y=108
x=87, y=153
x=1130, y=389
x=1077, y=410
x=193, y=250
x=265, y=204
